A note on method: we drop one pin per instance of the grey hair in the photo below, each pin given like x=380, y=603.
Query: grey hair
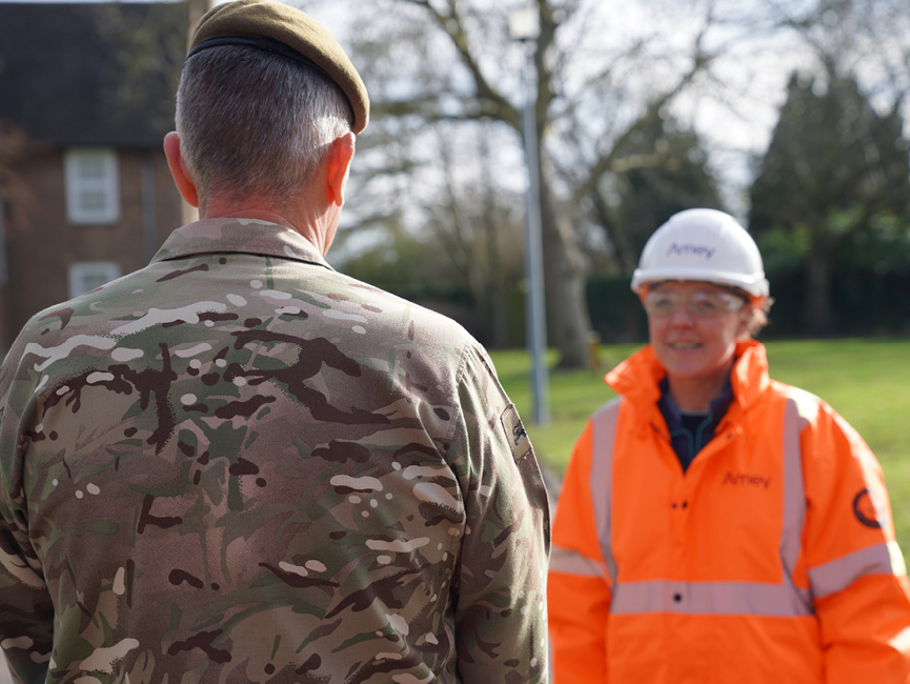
x=254, y=123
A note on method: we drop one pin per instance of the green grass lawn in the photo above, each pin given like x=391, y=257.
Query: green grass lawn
x=867, y=381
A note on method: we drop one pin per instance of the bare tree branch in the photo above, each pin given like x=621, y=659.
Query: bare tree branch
x=453, y=26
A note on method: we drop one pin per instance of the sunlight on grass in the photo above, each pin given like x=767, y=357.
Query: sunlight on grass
x=866, y=381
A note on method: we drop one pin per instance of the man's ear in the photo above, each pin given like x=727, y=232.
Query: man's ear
x=182, y=180
x=341, y=151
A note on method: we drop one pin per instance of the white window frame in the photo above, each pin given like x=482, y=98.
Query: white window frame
x=92, y=197
x=85, y=276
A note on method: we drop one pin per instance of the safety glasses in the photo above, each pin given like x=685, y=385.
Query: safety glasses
x=699, y=304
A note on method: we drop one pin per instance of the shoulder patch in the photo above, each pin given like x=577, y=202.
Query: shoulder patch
x=516, y=434
x=865, y=509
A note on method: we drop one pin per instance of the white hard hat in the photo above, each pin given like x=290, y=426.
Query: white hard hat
x=705, y=245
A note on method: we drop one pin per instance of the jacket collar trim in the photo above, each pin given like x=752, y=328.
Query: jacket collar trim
x=237, y=235
x=638, y=377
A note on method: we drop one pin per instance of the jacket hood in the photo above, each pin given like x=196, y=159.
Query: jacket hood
x=638, y=377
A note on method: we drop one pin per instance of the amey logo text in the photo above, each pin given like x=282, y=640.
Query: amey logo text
x=695, y=250
x=736, y=479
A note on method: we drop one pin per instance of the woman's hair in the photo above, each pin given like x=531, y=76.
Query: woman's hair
x=254, y=123
x=759, y=316
x=760, y=308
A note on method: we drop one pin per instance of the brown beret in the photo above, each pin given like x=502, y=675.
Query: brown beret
x=288, y=26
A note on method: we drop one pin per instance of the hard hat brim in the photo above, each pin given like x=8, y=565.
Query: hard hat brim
x=757, y=288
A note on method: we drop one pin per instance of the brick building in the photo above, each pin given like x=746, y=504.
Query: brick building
x=87, y=90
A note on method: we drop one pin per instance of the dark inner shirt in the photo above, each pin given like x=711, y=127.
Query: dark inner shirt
x=690, y=432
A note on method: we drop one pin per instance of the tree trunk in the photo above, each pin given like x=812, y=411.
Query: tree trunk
x=495, y=309
x=627, y=257
x=566, y=274
x=818, y=288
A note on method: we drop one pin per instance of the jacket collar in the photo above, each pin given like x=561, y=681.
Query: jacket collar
x=638, y=377
x=239, y=235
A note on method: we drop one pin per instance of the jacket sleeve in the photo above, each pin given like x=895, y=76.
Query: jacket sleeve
x=578, y=586
x=500, y=581
x=26, y=609
x=855, y=569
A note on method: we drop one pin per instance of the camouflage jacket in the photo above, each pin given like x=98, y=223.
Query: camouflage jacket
x=238, y=465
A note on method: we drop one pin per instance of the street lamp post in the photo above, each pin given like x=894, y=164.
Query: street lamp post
x=524, y=27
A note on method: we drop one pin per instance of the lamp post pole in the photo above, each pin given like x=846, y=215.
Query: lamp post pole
x=524, y=27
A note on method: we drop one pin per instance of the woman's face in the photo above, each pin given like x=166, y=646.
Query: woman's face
x=694, y=327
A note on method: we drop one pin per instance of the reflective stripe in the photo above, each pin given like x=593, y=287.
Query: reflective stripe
x=573, y=563
x=710, y=598
x=795, y=418
x=794, y=490
x=841, y=573
x=603, y=428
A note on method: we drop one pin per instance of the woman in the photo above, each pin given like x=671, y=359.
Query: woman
x=715, y=525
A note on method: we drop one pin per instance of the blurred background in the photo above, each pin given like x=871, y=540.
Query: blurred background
x=790, y=114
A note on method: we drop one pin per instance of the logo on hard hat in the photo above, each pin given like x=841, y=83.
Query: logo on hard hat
x=695, y=250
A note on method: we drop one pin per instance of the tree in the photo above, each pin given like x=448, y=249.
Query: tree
x=606, y=81
x=837, y=163
x=833, y=168
x=468, y=241
x=662, y=169
x=478, y=232
x=433, y=61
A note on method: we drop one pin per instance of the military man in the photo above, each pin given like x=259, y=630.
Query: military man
x=238, y=465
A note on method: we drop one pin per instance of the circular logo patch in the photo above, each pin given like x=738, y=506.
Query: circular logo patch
x=864, y=508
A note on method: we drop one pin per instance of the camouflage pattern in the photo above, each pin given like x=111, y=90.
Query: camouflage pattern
x=238, y=465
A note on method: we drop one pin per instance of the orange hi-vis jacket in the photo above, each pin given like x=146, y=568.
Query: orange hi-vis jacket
x=772, y=560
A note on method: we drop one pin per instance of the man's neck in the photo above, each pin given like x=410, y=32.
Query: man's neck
x=317, y=228
x=217, y=211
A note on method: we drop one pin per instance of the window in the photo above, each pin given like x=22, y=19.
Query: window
x=92, y=185
x=85, y=276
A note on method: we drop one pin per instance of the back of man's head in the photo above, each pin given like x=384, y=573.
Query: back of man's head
x=264, y=91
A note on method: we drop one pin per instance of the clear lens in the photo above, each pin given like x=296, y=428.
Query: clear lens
x=699, y=304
